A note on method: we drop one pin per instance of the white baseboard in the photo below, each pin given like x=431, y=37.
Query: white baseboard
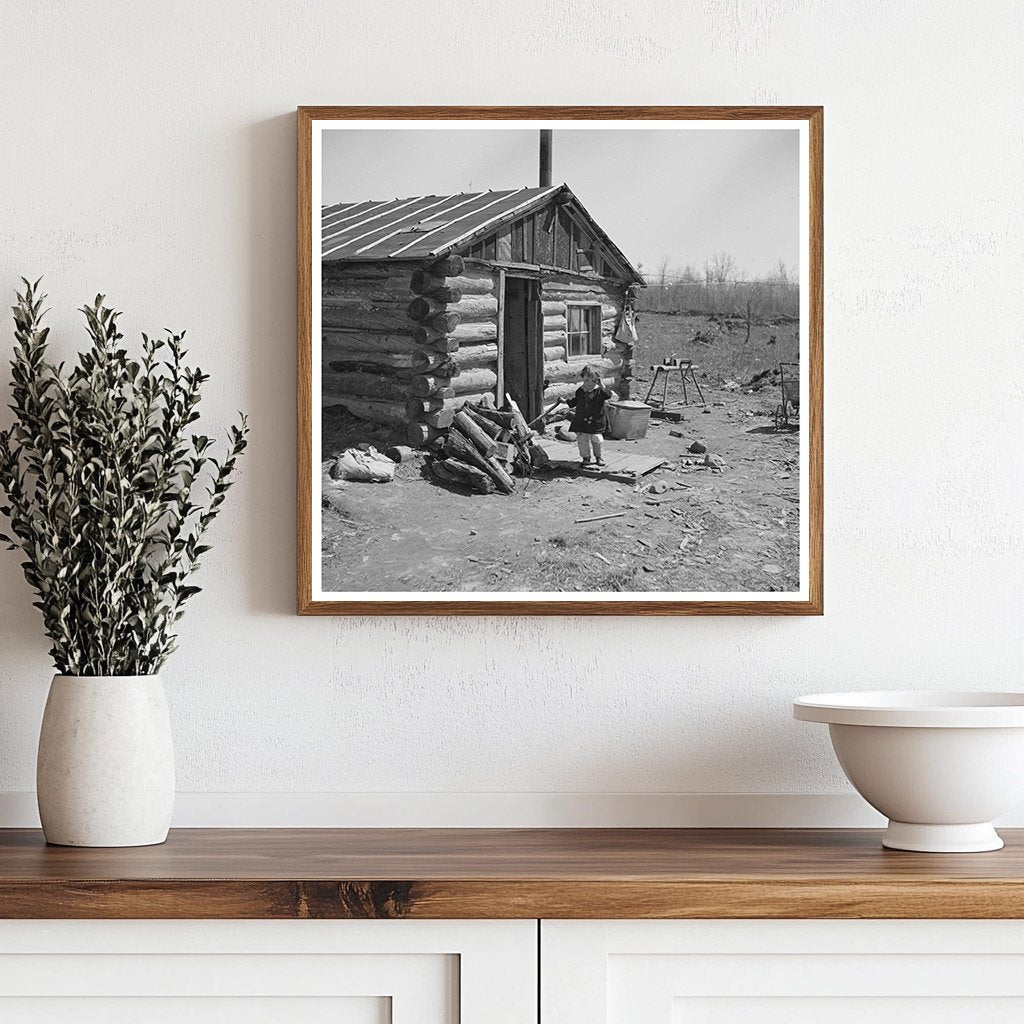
x=503, y=810
x=494, y=810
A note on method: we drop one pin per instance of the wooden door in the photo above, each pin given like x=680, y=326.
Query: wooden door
x=266, y=972
x=523, y=353
x=782, y=972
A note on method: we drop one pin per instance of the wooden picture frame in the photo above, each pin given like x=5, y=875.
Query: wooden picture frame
x=809, y=600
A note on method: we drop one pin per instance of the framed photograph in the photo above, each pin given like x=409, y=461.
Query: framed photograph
x=560, y=360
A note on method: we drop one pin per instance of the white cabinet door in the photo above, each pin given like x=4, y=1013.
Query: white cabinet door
x=258, y=972
x=782, y=972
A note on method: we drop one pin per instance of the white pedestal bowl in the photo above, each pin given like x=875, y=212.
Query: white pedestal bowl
x=940, y=766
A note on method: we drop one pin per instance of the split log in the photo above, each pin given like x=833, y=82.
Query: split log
x=454, y=471
x=458, y=446
x=475, y=381
x=484, y=442
x=499, y=419
x=489, y=427
x=447, y=266
x=415, y=407
x=368, y=316
x=345, y=339
x=554, y=353
x=476, y=355
x=425, y=283
x=519, y=427
x=391, y=413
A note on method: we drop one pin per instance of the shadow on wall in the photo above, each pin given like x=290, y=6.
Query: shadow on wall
x=269, y=321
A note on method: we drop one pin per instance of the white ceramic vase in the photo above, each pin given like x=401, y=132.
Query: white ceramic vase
x=105, y=771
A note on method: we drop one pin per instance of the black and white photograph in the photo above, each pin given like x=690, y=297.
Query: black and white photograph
x=560, y=361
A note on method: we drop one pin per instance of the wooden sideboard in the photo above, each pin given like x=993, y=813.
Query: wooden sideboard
x=578, y=926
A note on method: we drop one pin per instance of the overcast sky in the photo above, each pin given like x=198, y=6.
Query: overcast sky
x=678, y=193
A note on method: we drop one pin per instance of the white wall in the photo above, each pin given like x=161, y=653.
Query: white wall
x=147, y=150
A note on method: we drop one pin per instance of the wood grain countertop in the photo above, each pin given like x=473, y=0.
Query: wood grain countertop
x=508, y=873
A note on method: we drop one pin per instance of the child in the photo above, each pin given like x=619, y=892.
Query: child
x=588, y=419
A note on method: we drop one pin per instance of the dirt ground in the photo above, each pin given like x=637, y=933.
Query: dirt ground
x=704, y=530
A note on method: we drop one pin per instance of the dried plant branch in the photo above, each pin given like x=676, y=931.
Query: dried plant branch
x=109, y=496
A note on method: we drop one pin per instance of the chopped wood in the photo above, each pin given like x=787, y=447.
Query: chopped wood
x=456, y=471
x=458, y=446
x=400, y=453
x=488, y=426
x=501, y=419
x=484, y=442
x=504, y=451
x=595, y=519
x=518, y=421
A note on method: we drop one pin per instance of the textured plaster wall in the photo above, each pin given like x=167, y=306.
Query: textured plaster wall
x=148, y=152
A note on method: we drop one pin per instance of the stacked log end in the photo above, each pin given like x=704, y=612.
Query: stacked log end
x=409, y=348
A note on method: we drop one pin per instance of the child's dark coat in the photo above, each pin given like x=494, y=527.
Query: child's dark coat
x=588, y=410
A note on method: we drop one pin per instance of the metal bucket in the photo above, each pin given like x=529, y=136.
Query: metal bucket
x=627, y=421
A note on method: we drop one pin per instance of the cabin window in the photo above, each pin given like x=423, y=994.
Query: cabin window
x=583, y=330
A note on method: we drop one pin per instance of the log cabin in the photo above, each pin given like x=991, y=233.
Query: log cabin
x=432, y=301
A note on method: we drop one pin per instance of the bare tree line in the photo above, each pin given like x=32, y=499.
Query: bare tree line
x=719, y=289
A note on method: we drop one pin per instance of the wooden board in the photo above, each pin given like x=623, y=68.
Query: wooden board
x=620, y=466
x=508, y=873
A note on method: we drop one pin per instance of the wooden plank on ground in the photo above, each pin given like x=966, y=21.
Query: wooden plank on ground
x=619, y=466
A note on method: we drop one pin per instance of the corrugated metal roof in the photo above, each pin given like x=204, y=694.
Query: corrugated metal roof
x=417, y=227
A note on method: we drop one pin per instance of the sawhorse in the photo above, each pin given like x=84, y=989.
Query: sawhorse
x=686, y=370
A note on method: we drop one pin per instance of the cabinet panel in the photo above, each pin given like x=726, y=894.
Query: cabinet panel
x=188, y=1010
x=732, y=972
x=303, y=972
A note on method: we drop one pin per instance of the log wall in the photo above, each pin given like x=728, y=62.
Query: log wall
x=562, y=372
x=406, y=344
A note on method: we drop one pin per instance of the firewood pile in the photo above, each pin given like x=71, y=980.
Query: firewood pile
x=485, y=448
